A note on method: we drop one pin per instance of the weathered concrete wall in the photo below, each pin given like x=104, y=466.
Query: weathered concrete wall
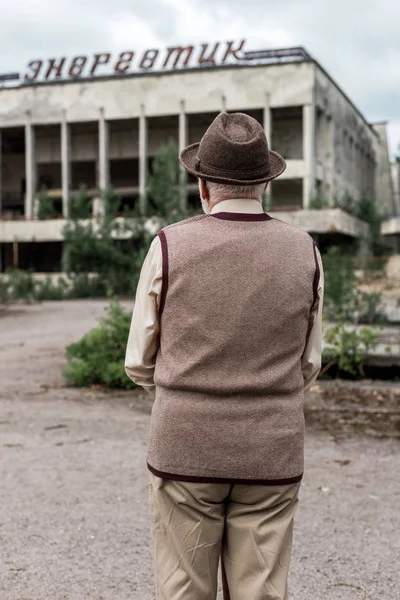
x=383, y=181
x=391, y=226
x=161, y=94
x=12, y=172
x=287, y=194
x=395, y=171
x=318, y=221
x=346, y=144
x=287, y=137
x=85, y=146
x=324, y=221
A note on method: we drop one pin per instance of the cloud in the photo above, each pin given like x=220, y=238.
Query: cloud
x=356, y=41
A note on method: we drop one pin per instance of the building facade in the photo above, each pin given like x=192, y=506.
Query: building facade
x=104, y=132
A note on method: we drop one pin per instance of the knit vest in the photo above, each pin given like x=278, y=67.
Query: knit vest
x=235, y=308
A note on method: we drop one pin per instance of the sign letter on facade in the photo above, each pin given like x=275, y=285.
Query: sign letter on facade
x=124, y=62
x=178, y=51
x=211, y=57
x=149, y=58
x=231, y=52
x=100, y=59
x=77, y=66
x=35, y=65
x=54, y=68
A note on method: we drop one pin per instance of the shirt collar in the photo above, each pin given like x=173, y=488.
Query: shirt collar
x=238, y=205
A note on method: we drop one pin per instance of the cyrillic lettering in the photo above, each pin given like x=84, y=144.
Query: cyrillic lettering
x=178, y=50
x=124, y=62
x=35, y=65
x=230, y=51
x=100, y=59
x=54, y=68
x=211, y=57
x=77, y=66
x=149, y=58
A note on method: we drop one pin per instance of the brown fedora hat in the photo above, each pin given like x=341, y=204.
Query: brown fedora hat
x=234, y=150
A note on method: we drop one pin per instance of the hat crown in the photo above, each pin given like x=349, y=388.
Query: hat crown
x=234, y=142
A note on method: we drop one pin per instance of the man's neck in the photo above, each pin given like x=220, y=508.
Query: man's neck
x=238, y=205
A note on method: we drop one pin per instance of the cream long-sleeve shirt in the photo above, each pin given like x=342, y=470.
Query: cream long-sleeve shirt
x=145, y=327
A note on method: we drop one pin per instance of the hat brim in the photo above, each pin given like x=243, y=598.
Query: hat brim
x=189, y=159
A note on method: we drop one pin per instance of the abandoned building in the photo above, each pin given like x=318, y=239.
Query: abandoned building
x=104, y=132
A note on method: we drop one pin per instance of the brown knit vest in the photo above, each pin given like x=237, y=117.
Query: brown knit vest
x=236, y=299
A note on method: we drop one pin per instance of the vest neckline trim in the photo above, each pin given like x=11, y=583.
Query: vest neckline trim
x=232, y=216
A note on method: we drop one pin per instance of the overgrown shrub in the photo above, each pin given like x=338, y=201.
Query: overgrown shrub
x=46, y=209
x=105, y=247
x=370, y=308
x=348, y=348
x=318, y=202
x=340, y=285
x=86, y=286
x=21, y=285
x=4, y=295
x=80, y=205
x=98, y=358
x=343, y=299
x=112, y=248
x=48, y=290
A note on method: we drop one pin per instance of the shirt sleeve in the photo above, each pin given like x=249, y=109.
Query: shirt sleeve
x=311, y=359
x=143, y=338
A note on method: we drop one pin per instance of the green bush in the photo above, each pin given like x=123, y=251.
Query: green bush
x=340, y=285
x=46, y=208
x=47, y=290
x=348, y=348
x=343, y=300
x=98, y=358
x=370, y=308
x=318, y=201
x=4, y=293
x=21, y=285
x=80, y=205
x=87, y=286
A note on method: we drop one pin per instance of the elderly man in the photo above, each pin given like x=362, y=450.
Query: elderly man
x=227, y=330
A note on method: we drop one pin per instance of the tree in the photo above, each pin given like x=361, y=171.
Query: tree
x=46, y=208
x=80, y=206
x=100, y=253
x=340, y=285
x=105, y=255
x=165, y=196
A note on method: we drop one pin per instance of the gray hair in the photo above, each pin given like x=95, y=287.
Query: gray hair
x=220, y=191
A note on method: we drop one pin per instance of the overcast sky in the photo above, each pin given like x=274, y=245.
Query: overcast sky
x=356, y=41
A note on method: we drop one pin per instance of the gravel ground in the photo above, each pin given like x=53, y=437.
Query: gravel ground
x=73, y=493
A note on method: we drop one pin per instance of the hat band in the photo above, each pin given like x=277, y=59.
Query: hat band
x=218, y=171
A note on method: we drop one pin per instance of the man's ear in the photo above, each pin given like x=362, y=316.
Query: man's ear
x=205, y=194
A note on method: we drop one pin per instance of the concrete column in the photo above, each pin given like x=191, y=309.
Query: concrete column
x=308, y=153
x=223, y=103
x=30, y=169
x=15, y=253
x=65, y=165
x=331, y=158
x=1, y=181
x=267, y=119
x=183, y=142
x=267, y=124
x=143, y=151
x=104, y=166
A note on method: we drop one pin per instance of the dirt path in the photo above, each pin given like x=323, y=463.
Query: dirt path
x=73, y=492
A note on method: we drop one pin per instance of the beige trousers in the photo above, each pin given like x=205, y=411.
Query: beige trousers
x=248, y=527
